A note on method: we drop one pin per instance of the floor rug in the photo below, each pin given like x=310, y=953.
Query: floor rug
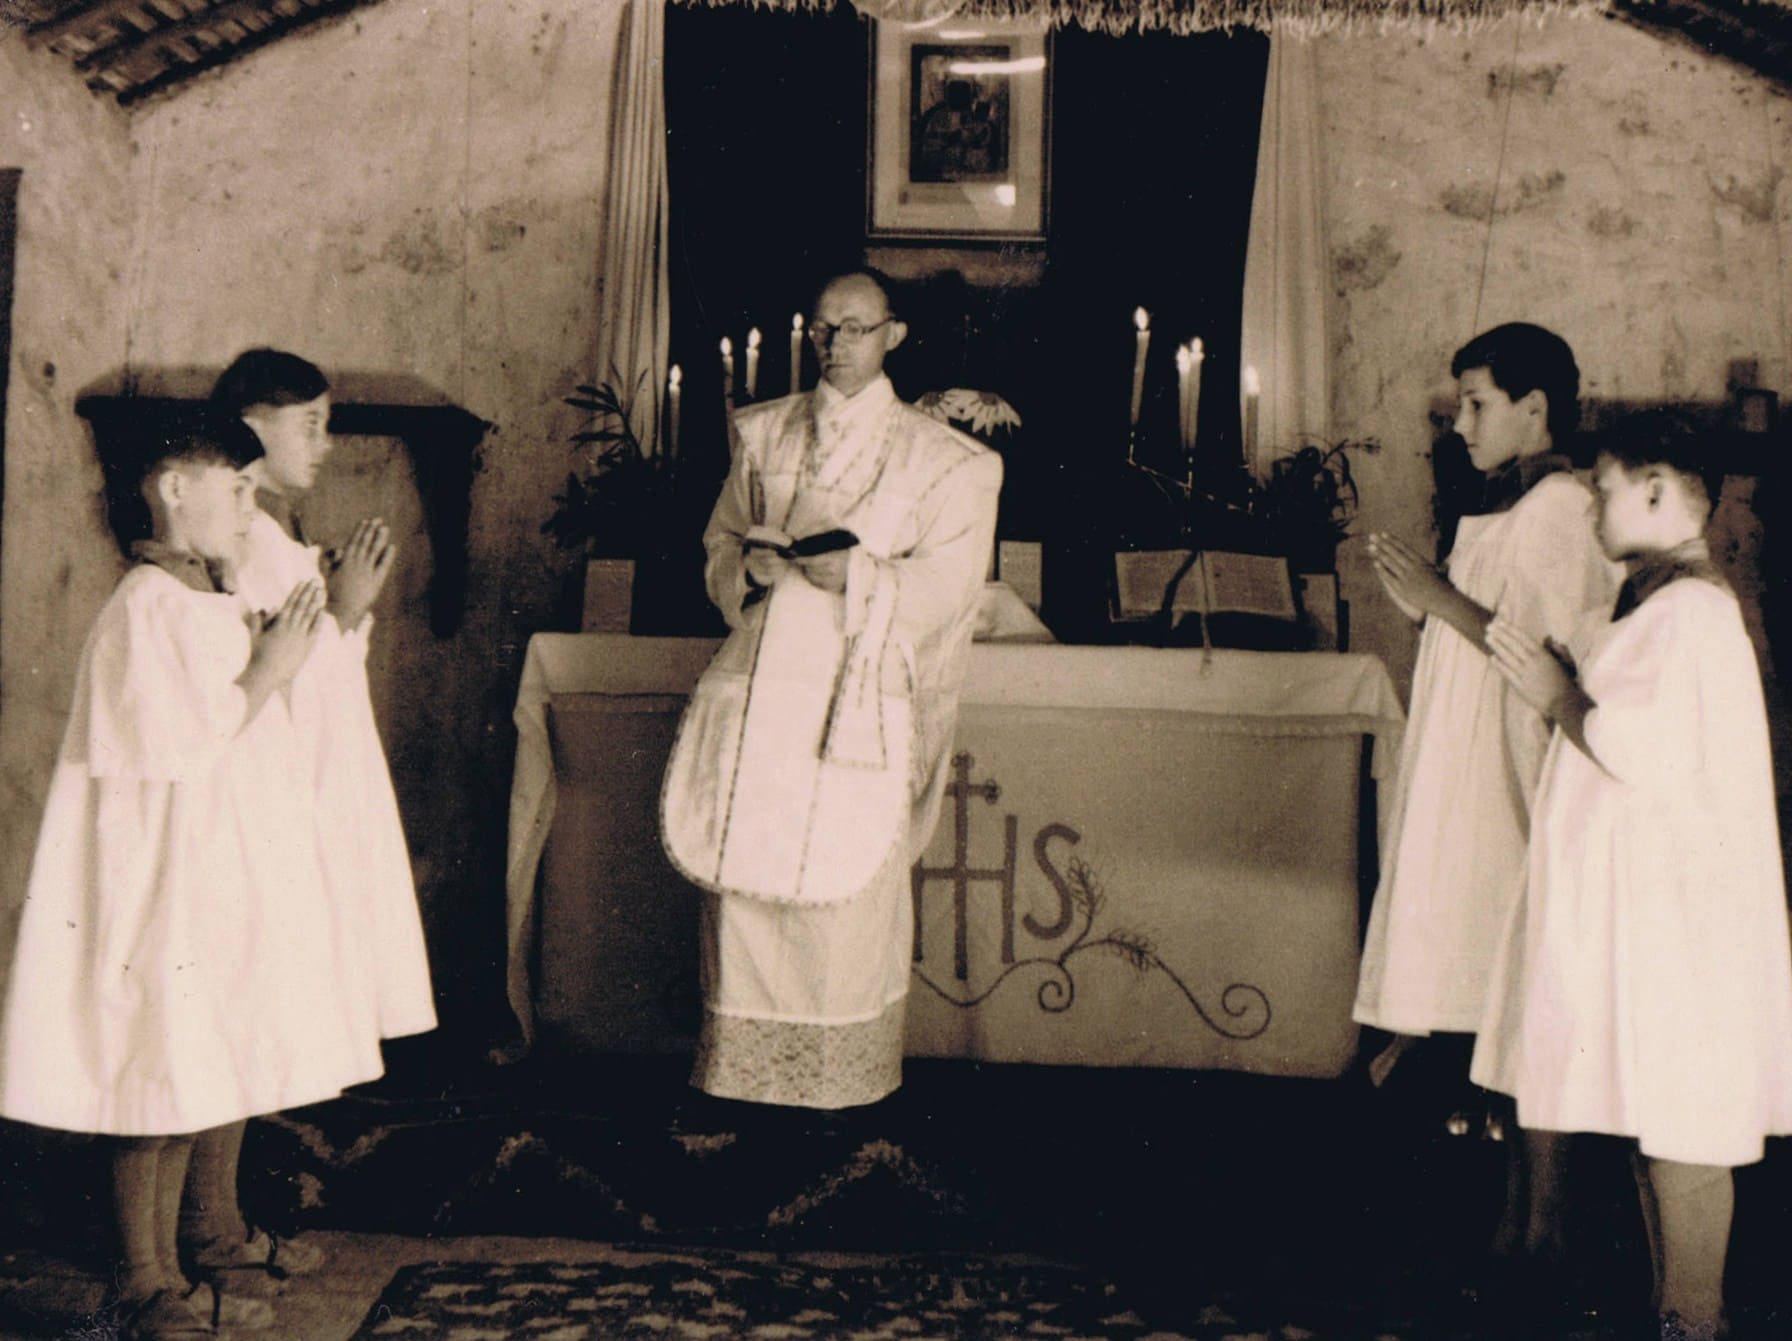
x=778, y=1297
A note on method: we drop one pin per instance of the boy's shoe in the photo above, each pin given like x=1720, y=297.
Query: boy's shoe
x=262, y=1250
x=164, y=1316
x=1675, y=1328
x=229, y=1309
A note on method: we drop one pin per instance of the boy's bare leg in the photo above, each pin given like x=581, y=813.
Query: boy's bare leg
x=172, y=1164
x=212, y=1220
x=1695, y=1203
x=1382, y=1065
x=135, y=1165
x=209, y=1212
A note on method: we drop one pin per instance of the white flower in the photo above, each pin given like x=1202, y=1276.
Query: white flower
x=984, y=411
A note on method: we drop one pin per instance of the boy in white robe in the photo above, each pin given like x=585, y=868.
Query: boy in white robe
x=169, y=975
x=811, y=761
x=1645, y=981
x=1460, y=810
x=381, y=970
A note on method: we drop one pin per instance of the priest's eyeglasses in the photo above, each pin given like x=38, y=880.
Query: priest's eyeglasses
x=851, y=331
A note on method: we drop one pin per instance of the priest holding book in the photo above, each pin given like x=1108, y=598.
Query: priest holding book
x=847, y=552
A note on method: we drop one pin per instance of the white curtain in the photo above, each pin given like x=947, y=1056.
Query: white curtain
x=634, y=317
x=1287, y=280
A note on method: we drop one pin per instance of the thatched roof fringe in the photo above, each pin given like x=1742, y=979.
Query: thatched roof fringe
x=1294, y=17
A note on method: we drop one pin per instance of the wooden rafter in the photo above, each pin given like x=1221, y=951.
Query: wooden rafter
x=194, y=25
x=278, y=26
x=78, y=19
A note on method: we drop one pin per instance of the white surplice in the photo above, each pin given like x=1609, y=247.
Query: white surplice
x=1644, y=985
x=804, y=986
x=384, y=966
x=1459, y=817
x=172, y=970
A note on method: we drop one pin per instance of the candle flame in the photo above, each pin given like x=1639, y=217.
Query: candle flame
x=727, y=346
x=675, y=378
x=1142, y=319
x=753, y=338
x=1252, y=386
x=796, y=322
x=1183, y=360
x=1196, y=350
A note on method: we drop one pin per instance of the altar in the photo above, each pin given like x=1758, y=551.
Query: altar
x=1146, y=857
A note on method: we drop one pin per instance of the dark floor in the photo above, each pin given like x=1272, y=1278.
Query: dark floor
x=1185, y=1187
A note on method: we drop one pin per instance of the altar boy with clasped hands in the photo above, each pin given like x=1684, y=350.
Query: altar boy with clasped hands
x=847, y=553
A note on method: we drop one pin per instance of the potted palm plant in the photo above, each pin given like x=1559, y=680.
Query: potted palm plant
x=614, y=507
x=1308, y=501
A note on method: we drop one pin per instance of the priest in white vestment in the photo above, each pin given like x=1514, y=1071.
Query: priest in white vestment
x=847, y=552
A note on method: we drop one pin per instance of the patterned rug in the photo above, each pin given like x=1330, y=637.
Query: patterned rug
x=780, y=1299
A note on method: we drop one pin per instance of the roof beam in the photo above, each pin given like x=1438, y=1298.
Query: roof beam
x=309, y=12
x=230, y=11
x=78, y=19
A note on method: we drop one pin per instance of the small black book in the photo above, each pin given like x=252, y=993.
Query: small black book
x=807, y=547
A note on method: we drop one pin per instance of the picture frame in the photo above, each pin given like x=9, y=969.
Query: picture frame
x=959, y=134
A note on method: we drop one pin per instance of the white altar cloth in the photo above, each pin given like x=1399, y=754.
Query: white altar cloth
x=1125, y=769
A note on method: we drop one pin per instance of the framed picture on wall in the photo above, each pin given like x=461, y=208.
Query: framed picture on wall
x=959, y=140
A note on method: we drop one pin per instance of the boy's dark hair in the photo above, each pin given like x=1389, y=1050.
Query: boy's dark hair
x=267, y=377
x=1522, y=358
x=195, y=435
x=199, y=435
x=1669, y=440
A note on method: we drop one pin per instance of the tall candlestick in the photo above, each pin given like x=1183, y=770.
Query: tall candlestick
x=674, y=393
x=753, y=363
x=1184, y=361
x=727, y=371
x=1253, y=392
x=1197, y=355
x=1142, y=319
x=796, y=353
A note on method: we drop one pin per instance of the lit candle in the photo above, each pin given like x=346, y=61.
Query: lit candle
x=1184, y=361
x=1142, y=319
x=674, y=393
x=1197, y=355
x=1253, y=391
x=753, y=363
x=796, y=353
x=727, y=370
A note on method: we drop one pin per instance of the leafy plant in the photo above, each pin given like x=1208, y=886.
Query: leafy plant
x=982, y=412
x=618, y=504
x=1309, y=499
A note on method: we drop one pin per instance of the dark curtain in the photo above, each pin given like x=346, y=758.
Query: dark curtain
x=1154, y=157
x=1153, y=152
x=765, y=115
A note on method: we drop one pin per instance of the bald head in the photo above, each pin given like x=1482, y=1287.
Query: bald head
x=861, y=282
x=853, y=330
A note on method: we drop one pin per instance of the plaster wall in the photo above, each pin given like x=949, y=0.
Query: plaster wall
x=73, y=252
x=1624, y=190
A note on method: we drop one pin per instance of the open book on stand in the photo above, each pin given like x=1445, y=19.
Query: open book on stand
x=1202, y=582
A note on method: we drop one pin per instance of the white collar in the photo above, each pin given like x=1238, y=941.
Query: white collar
x=874, y=395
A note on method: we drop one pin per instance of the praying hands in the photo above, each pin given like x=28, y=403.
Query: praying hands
x=1413, y=584
x=356, y=574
